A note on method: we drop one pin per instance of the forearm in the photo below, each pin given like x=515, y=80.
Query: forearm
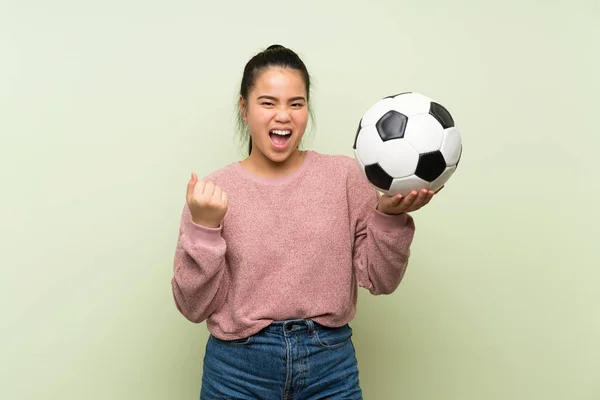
x=200, y=279
x=384, y=251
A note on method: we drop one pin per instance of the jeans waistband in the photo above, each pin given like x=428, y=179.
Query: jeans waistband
x=292, y=326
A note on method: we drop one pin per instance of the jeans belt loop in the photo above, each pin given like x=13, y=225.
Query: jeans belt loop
x=311, y=327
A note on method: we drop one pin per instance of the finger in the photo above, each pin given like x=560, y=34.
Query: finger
x=198, y=189
x=217, y=194
x=192, y=182
x=191, y=185
x=428, y=197
x=224, y=197
x=408, y=200
x=209, y=189
x=397, y=200
x=420, y=199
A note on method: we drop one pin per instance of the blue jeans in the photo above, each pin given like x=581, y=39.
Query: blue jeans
x=288, y=360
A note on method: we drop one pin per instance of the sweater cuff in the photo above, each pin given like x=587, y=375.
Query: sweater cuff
x=388, y=222
x=204, y=235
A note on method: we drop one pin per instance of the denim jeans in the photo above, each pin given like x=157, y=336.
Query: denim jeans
x=288, y=360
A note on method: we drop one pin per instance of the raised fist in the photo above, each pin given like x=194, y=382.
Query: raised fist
x=207, y=202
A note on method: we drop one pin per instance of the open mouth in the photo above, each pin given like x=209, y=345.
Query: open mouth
x=280, y=138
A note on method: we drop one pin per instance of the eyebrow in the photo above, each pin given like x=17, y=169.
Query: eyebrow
x=275, y=99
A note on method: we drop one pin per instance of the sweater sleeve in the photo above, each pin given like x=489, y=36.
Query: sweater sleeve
x=381, y=242
x=200, y=274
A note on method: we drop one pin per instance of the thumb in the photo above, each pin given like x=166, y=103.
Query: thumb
x=190, y=186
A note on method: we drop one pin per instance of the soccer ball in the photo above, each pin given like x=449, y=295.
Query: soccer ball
x=407, y=142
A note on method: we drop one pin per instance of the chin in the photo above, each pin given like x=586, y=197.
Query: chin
x=279, y=157
x=283, y=154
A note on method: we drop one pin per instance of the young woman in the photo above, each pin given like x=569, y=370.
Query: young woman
x=272, y=249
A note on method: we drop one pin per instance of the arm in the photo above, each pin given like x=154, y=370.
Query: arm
x=381, y=241
x=200, y=277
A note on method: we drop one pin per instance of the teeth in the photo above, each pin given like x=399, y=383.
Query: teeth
x=278, y=132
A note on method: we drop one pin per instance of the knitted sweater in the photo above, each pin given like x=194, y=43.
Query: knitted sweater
x=290, y=248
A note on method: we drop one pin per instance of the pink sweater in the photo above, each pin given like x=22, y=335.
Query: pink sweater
x=296, y=247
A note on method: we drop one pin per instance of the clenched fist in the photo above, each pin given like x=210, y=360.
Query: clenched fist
x=207, y=202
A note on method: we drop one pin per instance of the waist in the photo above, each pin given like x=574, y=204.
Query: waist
x=296, y=325
x=292, y=325
x=287, y=326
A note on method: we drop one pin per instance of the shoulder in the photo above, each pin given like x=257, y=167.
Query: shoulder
x=339, y=172
x=339, y=163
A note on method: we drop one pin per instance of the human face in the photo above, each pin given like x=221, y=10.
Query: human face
x=277, y=102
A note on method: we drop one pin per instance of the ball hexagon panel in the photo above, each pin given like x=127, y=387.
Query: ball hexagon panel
x=378, y=177
x=451, y=146
x=407, y=184
x=424, y=132
x=443, y=178
x=391, y=125
x=411, y=104
x=398, y=158
x=430, y=166
x=368, y=145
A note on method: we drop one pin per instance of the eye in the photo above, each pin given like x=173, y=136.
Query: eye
x=297, y=105
x=267, y=103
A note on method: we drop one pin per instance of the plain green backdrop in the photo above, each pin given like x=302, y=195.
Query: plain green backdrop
x=107, y=107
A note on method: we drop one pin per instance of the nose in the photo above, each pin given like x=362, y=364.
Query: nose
x=282, y=115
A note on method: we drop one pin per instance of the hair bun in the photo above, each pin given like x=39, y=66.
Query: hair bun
x=275, y=46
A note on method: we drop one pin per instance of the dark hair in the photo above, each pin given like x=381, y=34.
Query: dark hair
x=273, y=56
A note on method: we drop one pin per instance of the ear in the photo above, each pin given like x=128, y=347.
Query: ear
x=243, y=109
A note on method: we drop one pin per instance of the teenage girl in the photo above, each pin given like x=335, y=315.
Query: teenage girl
x=272, y=249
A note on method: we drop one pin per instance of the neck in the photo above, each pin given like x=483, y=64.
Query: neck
x=260, y=165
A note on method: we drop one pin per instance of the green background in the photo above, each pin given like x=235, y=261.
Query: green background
x=106, y=108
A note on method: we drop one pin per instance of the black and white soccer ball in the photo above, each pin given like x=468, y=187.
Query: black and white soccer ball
x=407, y=142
